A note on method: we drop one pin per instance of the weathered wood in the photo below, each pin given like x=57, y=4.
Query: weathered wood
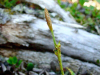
x=35, y=33
x=53, y=6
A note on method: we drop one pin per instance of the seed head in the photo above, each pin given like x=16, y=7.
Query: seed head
x=48, y=20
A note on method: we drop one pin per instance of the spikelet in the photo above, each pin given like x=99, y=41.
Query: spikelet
x=48, y=20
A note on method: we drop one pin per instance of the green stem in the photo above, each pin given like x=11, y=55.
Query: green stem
x=53, y=38
x=59, y=54
x=60, y=63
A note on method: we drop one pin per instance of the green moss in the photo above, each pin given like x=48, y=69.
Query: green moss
x=8, y=3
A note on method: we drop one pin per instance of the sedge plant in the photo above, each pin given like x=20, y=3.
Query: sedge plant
x=57, y=50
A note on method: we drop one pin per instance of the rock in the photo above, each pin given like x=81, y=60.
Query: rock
x=20, y=73
x=4, y=16
x=2, y=58
x=3, y=67
x=32, y=73
x=22, y=8
x=98, y=29
x=52, y=73
x=53, y=6
x=79, y=67
x=55, y=66
x=37, y=70
x=44, y=72
x=36, y=57
x=46, y=58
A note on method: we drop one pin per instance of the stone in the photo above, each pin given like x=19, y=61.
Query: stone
x=39, y=58
x=32, y=73
x=4, y=16
x=20, y=73
x=74, y=64
x=37, y=70
x=52, y=73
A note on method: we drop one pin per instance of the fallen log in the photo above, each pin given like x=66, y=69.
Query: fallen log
x=30, y=31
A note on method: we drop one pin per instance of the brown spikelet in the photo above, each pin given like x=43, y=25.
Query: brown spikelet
x=48, y=20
